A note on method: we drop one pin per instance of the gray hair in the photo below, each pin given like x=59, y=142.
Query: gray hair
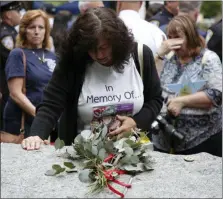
x=84, y=5
x=188, y=6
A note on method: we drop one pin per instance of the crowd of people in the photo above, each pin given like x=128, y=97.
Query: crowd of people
x=54, y=77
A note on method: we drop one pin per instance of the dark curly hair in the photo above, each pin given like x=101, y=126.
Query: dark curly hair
x=85, y=33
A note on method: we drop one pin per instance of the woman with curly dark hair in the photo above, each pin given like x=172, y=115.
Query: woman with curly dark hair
x=98, y=71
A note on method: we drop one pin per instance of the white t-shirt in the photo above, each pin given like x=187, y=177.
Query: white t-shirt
x=143, y=31
x=103, y=86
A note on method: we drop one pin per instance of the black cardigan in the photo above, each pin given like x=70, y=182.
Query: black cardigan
x=62, y=94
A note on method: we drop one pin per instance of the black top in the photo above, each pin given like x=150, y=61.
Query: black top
x=7, y=43
x=7, y=36
x=215, y=42
x=62, y=94
x=161, y=18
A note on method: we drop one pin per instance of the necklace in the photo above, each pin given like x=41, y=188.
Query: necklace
x=42, y=59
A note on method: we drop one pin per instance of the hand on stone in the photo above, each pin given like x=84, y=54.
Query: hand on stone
x=33, y=143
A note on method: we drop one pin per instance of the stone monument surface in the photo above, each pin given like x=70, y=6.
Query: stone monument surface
x=23, y=176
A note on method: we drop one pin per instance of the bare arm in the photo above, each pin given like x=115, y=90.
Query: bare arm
x=196, y=100
x=15, y=89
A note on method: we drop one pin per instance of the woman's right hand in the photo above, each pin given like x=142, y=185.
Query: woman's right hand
x=168, y=45
x=33, y=143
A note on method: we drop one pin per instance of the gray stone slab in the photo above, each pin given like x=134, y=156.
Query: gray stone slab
x=22, y=176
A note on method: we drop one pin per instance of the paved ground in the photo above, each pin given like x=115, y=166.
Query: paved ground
x=22, y=176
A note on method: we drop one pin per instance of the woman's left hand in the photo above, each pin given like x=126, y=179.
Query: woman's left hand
x=175, y=106
x=127, y=123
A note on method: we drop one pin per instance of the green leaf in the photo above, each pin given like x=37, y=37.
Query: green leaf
x=100, y=145
x=132, y=168
x=94, y=150
x=134, y=159
x=140, y=166
x=125, y=145
x=78, y=139
x=137, y=152
x=148, y=167
x=128, y=151
x=132, y=144
x=125, y=159
x=109, y=146
x=70, y=165
x=127, y=134
x=84, y=175
x=87, y=146
x=59, y=144
x=71, y=170
x=104, y=132
x=148, y=146
x=89, y=154
x=50, y=172
x=58, y=169
x=119, y=144
x=86, y=134
x=146, y=154
x=96, y=141
x=88, y=164
x=102, y=154
x=100, y=131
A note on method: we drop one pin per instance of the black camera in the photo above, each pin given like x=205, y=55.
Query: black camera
x=165, y=125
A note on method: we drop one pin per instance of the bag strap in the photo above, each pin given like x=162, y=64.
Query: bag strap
x=140, y=57
x=22, y=128
x=204, y=58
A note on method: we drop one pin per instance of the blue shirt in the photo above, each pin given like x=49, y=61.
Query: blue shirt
x=40, y=64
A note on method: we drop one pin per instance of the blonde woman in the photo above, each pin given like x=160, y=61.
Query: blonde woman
x=199, y=112
x=33, y=40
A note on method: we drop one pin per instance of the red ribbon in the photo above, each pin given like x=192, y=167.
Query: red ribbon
x=115, y=191
x=108, y=175
x=109, y=157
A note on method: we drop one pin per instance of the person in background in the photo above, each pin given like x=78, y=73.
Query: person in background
x=191, y=8
x=84, y=5
x=10, y=17
x=163, y=17
x=214, y=38
x=197, y=113
x=97, y=68
x=143, y=31
x=152, y=9
x=60, y=27
x=33, y=41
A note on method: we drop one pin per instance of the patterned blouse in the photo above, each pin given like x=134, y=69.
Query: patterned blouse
x=196, y=125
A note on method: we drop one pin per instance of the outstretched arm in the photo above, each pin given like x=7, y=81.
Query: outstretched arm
x=49, y=110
